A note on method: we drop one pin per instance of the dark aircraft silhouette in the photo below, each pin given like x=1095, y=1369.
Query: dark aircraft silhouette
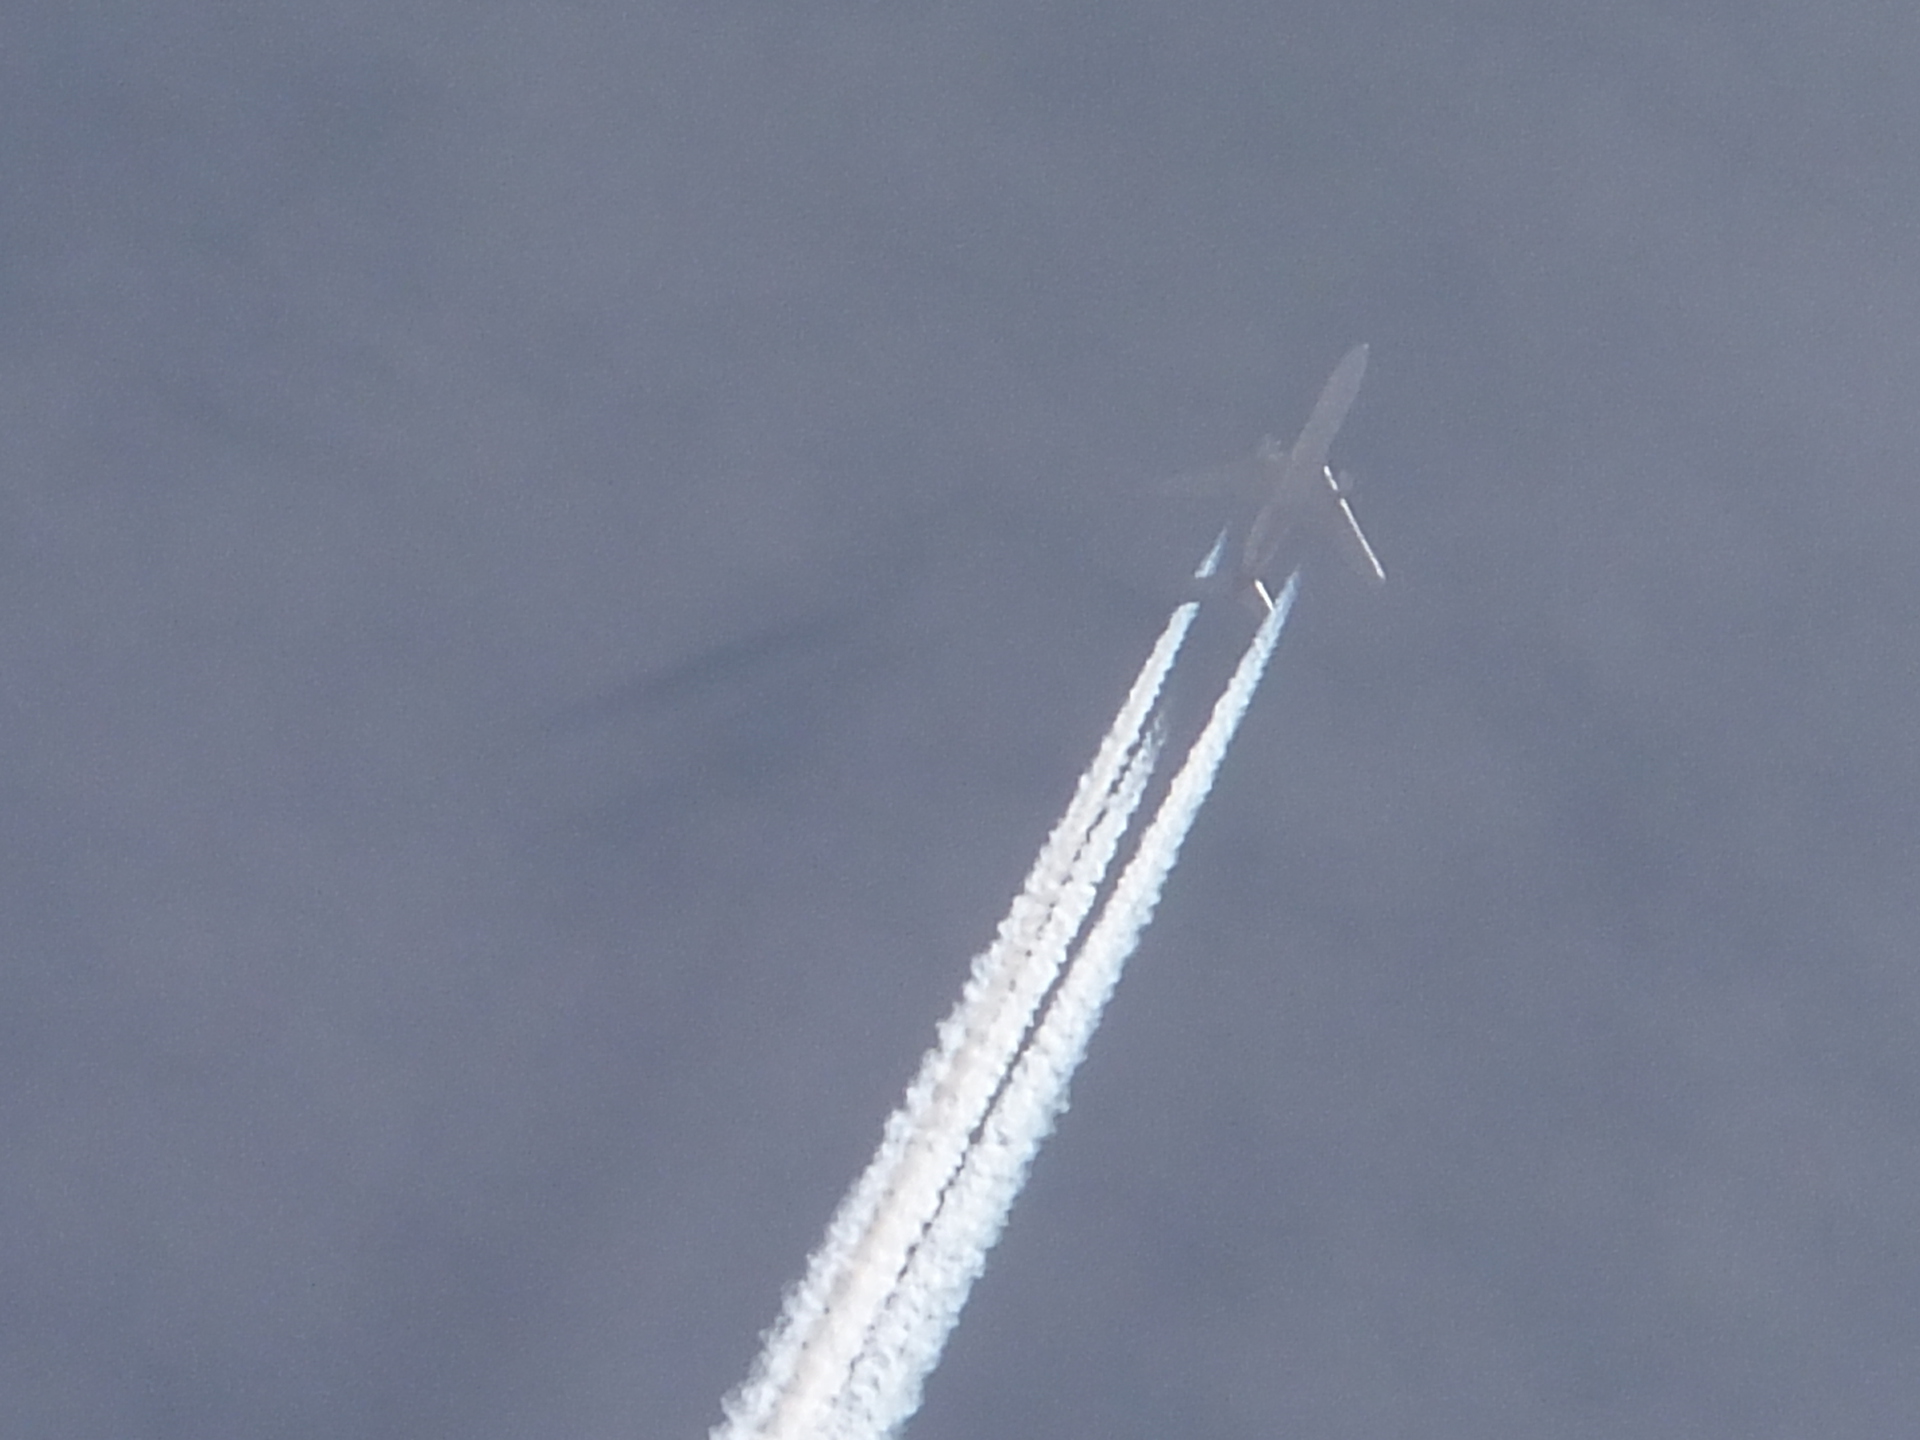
x=1303, y=497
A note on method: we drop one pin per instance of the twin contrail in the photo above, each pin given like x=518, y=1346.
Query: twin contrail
x=865, y=1325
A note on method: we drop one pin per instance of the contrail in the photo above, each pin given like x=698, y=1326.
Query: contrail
x=805, y=1360
x=884, y=1387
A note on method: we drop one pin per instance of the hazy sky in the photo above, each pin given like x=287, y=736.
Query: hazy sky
x=557, y=562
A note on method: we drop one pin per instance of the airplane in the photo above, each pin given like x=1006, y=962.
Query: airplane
x=1304, y=496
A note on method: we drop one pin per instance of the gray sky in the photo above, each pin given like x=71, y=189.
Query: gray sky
x=556, y=563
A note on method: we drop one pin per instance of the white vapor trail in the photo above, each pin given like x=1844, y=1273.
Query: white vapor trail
x=883, y=1389
x=804, y=1364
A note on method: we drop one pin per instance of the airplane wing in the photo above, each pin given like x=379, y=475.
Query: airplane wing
x=1353, y=544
